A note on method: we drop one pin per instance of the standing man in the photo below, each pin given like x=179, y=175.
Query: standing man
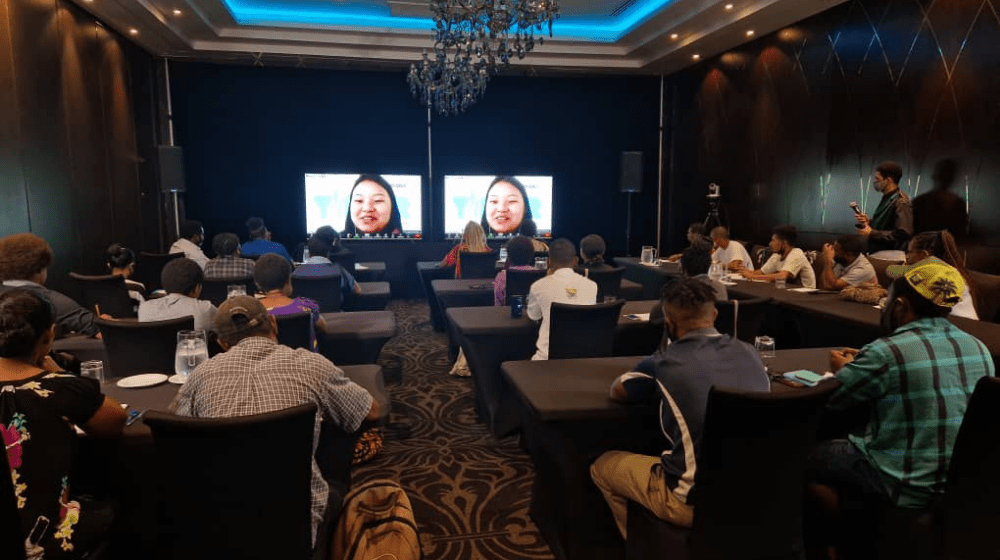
x=561, y=284
x=844, y=265
x=733, y=255
x=787, y=261
x=189, y=243
x=680, y=377
x=891, y=225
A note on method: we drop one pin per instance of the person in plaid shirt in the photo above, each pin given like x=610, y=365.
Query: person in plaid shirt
x=228, y=263
x=914, y=386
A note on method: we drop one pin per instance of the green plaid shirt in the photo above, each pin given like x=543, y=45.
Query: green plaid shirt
x=916, y=383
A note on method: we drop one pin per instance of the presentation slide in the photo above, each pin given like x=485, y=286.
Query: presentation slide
x=365, y=206
x=505, y=209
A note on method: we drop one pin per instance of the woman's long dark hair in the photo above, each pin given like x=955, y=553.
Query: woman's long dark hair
x=523, y=228
x=395, y=224
x=24, y=317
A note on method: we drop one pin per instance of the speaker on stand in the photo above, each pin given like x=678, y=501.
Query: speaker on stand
x=171, y=164
x=631, y=183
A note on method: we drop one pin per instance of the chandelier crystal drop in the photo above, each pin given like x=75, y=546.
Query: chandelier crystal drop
x=474, y=40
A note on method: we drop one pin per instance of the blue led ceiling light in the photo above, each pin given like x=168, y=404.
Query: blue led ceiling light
x=266, y=12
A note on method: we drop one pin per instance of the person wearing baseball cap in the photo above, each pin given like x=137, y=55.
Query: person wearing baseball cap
x=914, y=385
x=256, y=374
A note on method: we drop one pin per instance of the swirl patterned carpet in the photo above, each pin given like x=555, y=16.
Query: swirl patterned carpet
x=470, y=491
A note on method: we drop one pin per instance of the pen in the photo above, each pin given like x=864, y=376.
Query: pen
x=133, y=416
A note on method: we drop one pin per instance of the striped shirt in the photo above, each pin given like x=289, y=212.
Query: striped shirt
x=916, y=383
x=228, y=267
x=681, y=376
x=258, y=375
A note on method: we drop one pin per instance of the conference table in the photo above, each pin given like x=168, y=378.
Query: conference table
x=489, y=336
x=652, y=277
x=428, y=271
x=822, y=318
x=569, y=421
x=128, y=468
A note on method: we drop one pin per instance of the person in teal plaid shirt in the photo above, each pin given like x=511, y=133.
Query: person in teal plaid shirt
x=915, y=385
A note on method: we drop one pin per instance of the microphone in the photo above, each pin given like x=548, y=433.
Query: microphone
x=857, y=211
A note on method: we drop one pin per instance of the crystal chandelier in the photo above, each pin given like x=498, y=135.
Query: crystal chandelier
x=473, y=40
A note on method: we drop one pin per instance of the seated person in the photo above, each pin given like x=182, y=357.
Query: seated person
x=332, y=239
x=227, y=264
x=695, y=262
x=273, y=276
x=679, y=377
x=560, y=284
x=120, y=261
x=843, y=264
x=255, y=375
x=318, y=265
x=38, y=404
x=520, y=256
x=24, y=263
x=181, y=279
x=941, y=244
x=473, y=241
x=260, y=241
x=529, y=229
x=787, y=261
x=696, y=233
x=730, y=253
x=914, y=395
x=189, y=243
x=592, y=250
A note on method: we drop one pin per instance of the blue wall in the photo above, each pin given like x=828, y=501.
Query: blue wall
x=250, y=134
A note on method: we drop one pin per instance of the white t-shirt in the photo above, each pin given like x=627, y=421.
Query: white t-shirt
x=563, y=286
x=795, y=263
x=858, y=272
x=190, y=251
x=965, y=307
x=734, y=252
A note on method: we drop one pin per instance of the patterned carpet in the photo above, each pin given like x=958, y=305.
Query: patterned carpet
x=470, y=491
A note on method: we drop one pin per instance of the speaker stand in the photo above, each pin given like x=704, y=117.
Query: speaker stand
x=713, y=220
x=628, y=227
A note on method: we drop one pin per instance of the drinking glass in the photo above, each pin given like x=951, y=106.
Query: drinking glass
x=192, y=349
x=648, y=254
x=780, y=283
x=764, y=345
x=503, y=254
x=93, y=369
x=236, y=290
x=541, y=263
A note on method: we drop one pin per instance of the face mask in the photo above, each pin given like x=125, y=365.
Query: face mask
x=879, y=185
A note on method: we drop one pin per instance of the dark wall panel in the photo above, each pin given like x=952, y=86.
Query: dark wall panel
x=793, y=124
x=13, y=217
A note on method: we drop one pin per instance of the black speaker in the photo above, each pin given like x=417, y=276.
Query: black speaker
x=631, y=181
x=171, y=168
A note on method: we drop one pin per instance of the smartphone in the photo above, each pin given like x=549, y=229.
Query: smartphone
x=804, y=377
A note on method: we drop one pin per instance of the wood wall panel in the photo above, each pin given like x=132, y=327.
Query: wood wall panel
x=13, y=217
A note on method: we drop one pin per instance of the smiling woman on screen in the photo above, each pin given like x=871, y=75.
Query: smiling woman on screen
x=506, y=208
x=373, y=208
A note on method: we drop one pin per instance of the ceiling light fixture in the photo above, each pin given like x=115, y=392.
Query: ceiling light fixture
x=674, y=36
x=473, y=40
x=749, y=32
x=133, y=31
x=695, y=56
x=729, y=6
x=177, y=12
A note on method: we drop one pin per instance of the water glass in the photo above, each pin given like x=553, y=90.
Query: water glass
x=93, y=369
x=192, y=349
x=780, y=283
x=648, y=255
x=541, y=263
x=764, y=345
x=233, y=290
x=503, y=254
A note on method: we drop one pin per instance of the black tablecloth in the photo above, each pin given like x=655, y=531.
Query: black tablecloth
x=652, y=278
x=428, y=272
x=356, y=337
x=463, y=292
x=489, y=337
x=373, y=271
x=571, y=421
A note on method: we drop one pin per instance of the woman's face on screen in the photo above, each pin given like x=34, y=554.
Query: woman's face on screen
x=504, y=208
x=371, y=207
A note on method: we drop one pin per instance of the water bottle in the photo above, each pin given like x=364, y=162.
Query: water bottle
x=305, y=254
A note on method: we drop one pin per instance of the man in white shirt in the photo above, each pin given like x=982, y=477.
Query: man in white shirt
x=733, y=255
x=843, y=264
x=787, y=261
x=192, y=234
x=562, y=285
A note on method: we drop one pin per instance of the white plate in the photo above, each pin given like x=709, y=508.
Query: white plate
x=802, y=290
x=142, y=380
x=177, y=379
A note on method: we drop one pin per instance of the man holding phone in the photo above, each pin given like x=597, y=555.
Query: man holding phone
x=891, y=225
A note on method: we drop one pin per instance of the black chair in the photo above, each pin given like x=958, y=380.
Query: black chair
x=583, y=331
x=234, y=487
x=519, y=282
x=970, y=511
x=107, y=293
x=741, y=318
x=608, y=280
x=216, y=290
x=11, y=538
x=345, y=259
x=987, y=295
x=478, y=265
x=149, y=266
x=750, y=480
x=324, y=290
x=295, y=330
x=135, y=347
